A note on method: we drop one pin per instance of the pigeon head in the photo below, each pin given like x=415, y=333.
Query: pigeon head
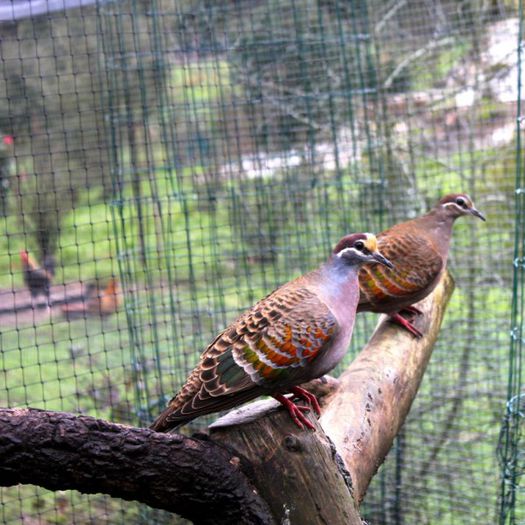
x=458, y=204
x=358, y=249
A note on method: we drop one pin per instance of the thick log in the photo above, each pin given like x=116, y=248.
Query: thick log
x=375, y=393
x=297, y=472
x=194, y=478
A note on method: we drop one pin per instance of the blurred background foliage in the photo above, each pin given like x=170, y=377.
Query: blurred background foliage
x=205, y=152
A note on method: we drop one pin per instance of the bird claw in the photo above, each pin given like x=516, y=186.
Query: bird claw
x=303, y=394
x=302, y=408
x=401, y=321
x=295, y=411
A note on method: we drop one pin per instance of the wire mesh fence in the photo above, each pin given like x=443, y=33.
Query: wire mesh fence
x=166, y=164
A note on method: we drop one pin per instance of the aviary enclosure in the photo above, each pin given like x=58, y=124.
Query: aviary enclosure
x=179, y=160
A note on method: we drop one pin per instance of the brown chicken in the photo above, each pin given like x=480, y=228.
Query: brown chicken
x=96, y=301
x=38, y=277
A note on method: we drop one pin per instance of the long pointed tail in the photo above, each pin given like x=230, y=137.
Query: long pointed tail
x=164, y=424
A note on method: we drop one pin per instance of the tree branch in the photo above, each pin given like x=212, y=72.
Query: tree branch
x=415, y=56
x=267, y=470
x=375, y=393
x=197, y=479
x=297, y=472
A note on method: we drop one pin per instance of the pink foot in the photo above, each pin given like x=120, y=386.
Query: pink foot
x=303, y=394
x=401, y=321
x=296, y=412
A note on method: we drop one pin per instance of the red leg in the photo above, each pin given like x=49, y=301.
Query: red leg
x=301, y=393
x=296, y=412
x=401, y=321
x=412, y=310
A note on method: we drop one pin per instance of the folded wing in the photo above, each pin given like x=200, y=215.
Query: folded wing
x=265, y=350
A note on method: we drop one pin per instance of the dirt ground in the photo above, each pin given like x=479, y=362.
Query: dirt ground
x=16, y=309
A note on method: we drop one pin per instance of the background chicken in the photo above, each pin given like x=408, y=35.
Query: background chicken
x=38, y=277
x=96, y=301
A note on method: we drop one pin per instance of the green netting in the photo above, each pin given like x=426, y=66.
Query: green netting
x=203, y=152
x=511, y=447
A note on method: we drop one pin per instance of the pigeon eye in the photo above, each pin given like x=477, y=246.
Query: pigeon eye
x=460, y=201
x=359, y=245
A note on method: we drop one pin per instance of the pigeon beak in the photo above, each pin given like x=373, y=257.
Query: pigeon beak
x=382, y=260
x=477, y=213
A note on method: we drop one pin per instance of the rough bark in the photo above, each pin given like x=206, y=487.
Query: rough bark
x=297, y=472
x=266, y=470
x=194, y=478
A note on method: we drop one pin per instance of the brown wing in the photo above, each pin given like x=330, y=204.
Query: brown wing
x=265, y=349
x=417, y=264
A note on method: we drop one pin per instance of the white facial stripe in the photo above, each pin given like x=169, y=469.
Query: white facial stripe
x=346, y=250
x=452, y=204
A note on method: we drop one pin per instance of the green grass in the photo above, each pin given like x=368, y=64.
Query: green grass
x=201, y=82
x=54, y=364
x=28, y=504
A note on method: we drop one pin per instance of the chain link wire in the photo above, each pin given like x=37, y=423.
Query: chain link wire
x=166, y=164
